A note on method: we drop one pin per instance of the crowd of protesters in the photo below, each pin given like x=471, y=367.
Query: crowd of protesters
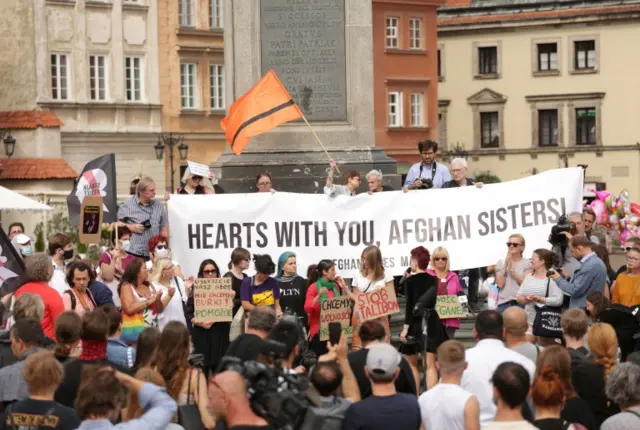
x=93, y=345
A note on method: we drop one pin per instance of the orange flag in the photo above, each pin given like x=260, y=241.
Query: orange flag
x=262, y=108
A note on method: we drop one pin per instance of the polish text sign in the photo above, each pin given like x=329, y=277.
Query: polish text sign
x=213, y=300
x=449, y=307
x=473, y=224
x=376, y=304
x=336, y=309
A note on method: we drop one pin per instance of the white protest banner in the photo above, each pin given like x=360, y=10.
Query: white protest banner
x=198, y=169
x=473, y=224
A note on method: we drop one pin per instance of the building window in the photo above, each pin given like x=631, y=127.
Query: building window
x=215, y=14
x=489, y=130
x=392, y=32
x=216, y=86
x=548, y=127
x=186, y=12
x=59, y=77
x=415, y=33
x=98, y=77
x=585, y=55
x=586, y=126
x=133, y=78
x=188, y=85
x=441, y=129
x=488, y=60
x=394, y=103
x=547, y=57
x=417, y=110
x=439, y=63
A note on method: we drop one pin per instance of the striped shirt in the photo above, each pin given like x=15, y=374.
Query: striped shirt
x=133, y=211
x=538, y=287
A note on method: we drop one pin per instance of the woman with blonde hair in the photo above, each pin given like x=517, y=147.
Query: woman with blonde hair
x=164, y=279
x=448, y=284
x=510, y=272
x=589, y=378
x=185, y=384
x=370, y=278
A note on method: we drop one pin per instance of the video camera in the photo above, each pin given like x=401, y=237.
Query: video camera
x=563, y=225
x=284, y=399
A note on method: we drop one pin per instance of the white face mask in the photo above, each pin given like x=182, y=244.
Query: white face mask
x=126, y=245
x=162, y=252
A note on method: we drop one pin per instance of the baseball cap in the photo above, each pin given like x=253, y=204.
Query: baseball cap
x=383, y=360
x=22, y=239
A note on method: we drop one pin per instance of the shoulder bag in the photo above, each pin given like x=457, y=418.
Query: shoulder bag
x=547, y=321
x=189, y=414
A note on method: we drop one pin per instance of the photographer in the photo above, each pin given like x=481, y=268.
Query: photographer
x=144, y=216
x=229, y=401
x=283, y=341
x=566, y=228
x=427, y=173
x=591, y=276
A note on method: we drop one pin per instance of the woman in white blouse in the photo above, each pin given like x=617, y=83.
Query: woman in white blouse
x=534, y=287
x=164, y=279
x=371, y=277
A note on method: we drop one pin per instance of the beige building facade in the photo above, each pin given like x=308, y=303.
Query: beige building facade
x=524, y=90
x=192, y=78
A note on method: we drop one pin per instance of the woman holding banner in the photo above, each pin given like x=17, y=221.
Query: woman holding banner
x=370, y=278
x=323, y=285
x=448, y=284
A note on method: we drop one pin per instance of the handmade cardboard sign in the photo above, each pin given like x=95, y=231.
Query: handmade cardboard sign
x=91, y=214
x=337, y=309
x=199, y=169
x=213, y=299
x=449, y=307
x=377, y=304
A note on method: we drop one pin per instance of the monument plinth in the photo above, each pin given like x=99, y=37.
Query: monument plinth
x=322, y=52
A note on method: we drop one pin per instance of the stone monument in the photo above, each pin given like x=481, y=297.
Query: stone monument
x=322, y=52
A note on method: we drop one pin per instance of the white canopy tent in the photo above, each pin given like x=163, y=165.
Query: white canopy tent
x=10, y=200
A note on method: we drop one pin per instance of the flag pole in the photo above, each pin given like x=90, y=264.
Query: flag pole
x=319, y=141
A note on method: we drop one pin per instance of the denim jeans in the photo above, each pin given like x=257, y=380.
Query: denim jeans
x=504, y=306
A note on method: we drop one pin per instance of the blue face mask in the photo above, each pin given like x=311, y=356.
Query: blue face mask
x=27, y=250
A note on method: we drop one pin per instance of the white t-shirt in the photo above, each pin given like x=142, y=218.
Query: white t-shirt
x=174, y=310
x=510, y=425
x=59, y=279
x=364, y=285
x=442, y=407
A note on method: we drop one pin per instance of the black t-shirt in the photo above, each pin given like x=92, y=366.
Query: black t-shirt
x=577, y=411
x=34, y=414
x=453, y=184
x=400, y=411
x=235, y=285
x=292, y=296
x=550, y=424
x=405, y=383
x=67, y=391
x=577, y=355
x=246, y=347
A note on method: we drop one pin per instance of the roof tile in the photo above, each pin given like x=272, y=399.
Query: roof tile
x=525, y=16
x=36, y=168
x=28, y=119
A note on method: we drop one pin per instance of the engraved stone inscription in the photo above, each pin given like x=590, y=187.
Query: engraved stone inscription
x=303, y=41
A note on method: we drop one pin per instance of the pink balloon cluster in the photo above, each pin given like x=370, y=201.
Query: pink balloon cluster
x=617, y=214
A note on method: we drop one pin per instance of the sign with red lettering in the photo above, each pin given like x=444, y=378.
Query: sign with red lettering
x=337, y=309
x=213, y=299
x=377, y=304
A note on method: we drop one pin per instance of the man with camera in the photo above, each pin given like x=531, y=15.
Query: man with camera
x=590, y=277
x=144, y=216
x=229, y=401
x=567, y=227
x=427, y=173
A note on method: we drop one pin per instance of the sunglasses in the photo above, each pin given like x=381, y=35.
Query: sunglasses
x=209, y=272
x=440, y=258
x=630, y=248
x=162, y=247
x=513, y=244
x=197, y=178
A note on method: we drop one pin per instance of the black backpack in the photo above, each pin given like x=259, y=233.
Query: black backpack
x=74, y=302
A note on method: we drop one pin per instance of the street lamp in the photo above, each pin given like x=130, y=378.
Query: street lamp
x=171, y=141
x=9, y=144
x=458, y=151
